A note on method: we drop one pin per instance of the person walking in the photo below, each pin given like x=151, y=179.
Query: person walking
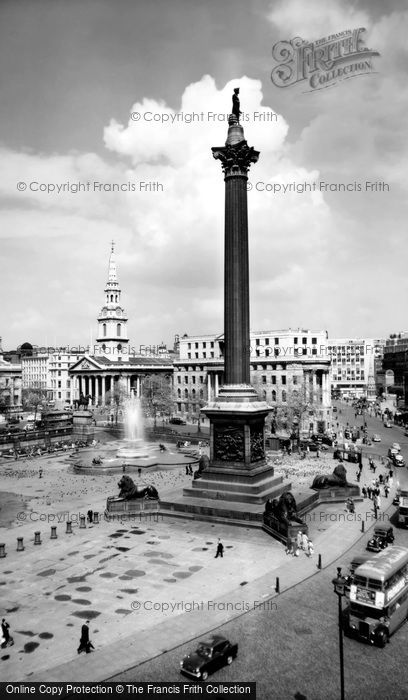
x=220, y=549
x=289, y=545
x=386, y=491
x=84, y=643
x=299, y=540
x=310, y=548
x=364, y=491
x=7, y=639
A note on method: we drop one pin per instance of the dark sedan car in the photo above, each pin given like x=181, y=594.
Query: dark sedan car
x=209, y=656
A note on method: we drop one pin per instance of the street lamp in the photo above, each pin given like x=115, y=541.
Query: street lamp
x=339, y=584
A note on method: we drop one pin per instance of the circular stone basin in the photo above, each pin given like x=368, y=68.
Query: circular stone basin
x=131, y=454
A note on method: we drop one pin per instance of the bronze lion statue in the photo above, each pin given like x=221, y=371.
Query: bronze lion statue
x=128, y=490
x=283, y=509
x=338, y=478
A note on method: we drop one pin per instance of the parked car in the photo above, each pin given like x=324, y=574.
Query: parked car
x=398, y=461
x=177, y=421
x=209, y=656
x=383, y=536
x=396, y=446
x=376, y=438
x=392, y=452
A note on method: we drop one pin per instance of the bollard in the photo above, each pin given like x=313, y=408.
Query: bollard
x=319, y=563
x=68, y=531
x=2, y=550
x=37, y=537
x=362, y=526
x=40, y=473
x=20, y=545
x=277, y=589
x=96, y=518
x=82, y=523
x=53, y=532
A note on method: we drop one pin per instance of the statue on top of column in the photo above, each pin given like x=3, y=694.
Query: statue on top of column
x=236, y=104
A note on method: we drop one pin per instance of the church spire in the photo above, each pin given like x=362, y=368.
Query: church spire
x=112, y=274
x=112, y=340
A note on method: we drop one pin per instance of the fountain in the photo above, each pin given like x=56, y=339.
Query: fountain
x=133, y=452
x=135, y=446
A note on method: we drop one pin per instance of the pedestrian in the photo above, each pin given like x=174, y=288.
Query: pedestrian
x=289, y=545
x=369, y=492
x=84, y=643
x=299, y=540
x=305, y=541
x=187, y=470
x=220, y=549
x=358, y=476
x=381, y=478
x=7, y=639
x=364, y=491
x=310, y=548
x=375, y=510
x=90, y=516
x=190, y=470
x=386, y=491
x=139, y=472
x=317, y=453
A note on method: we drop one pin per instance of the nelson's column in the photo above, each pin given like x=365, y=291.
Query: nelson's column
x=237, y=481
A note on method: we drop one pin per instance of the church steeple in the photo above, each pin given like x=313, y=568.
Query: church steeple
x=112, y=340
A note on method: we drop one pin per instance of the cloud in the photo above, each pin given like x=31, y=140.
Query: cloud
x=315, y=19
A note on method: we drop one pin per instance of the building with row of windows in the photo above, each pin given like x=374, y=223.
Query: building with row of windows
x=395, y=363
x=354, y=363
x=285, y=365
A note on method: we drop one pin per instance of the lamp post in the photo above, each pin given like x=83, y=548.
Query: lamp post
x=339, y=589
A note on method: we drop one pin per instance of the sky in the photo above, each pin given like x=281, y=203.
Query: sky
x=85, y=88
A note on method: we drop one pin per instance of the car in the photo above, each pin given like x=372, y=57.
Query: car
x=398, y=461
x=392, y=452
x=210, y=655
x=396, y=446
x=376, y=438
x=177, y=421
x=387, y=424
x=383, y=536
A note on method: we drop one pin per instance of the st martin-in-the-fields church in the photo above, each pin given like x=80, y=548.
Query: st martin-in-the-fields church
x=96, y=376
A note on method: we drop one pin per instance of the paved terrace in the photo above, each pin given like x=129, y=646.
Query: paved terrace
x=146, y=586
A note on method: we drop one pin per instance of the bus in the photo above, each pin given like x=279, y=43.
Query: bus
x=402, y=493
x=378, y=597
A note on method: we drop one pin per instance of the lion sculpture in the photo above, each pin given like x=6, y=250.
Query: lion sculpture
x=284, y=509
x=128, y=490
x=338, y=478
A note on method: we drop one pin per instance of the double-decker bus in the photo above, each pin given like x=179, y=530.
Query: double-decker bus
x=402, y=493
x=378, y=597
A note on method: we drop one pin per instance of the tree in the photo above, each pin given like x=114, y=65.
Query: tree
x=32, y=399
x=157, y=395
x=116, y=397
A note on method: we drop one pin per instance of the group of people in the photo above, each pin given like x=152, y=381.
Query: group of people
x=300, y=542
x=189, y=470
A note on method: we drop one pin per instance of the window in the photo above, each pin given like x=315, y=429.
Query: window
x=179, y=393
x=193, y=379
x=295, y=341
x=266, y=341
x=193, y=394
x=314, y=341
x=186, y=393
x=304, y=341
x=211, y=354
x=212, y=344
x=185, y=380
x=189, y=355
x=283, y=378
x=276, y=341
x=264, y=379
x=204, y=354
x=267, y=352
x=196, y=355
x=201, y=394
x=257, y=341
x=104, y=330
x=283, y=396
x=118, y=329
x=204, y=345
x=59, y=385
x=189, y=346
x=295, y=380
x=201, y=379
x=68, y=383
x=178, y=379
x=273, y=395
x=273, y=378
x=196, y=346
x=59, y=372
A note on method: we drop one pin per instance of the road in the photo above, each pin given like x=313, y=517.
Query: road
x=291, y=646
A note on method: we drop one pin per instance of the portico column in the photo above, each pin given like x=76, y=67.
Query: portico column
x=138, y=387
x=12, y=392
x=103, y=389
x=96, y=390
x=314, y=384
x=216, y=384
x=209, y=387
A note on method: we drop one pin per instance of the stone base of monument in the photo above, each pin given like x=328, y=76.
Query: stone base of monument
x=83, y=428
x=118, y=509
x=280, y=531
